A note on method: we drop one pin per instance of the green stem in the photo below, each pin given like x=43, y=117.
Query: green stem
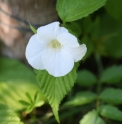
x=63, y=24
x=99, y=63
x=100, y=69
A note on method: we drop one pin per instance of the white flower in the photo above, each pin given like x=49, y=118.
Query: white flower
x=54, y=49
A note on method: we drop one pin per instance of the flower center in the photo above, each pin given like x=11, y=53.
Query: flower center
x=55, y=44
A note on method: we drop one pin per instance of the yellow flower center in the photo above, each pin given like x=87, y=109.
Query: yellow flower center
x=55, y=44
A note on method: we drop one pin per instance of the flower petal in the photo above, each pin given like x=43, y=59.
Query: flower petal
x=77, y=52
x=63, y=30
x=67, y=39
x=34, y=52
x=48, y=33
x=57, y=63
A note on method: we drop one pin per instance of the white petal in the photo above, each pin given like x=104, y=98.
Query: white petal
x=67, y=39
x=34, y=52
x=57, y=63
x=77, y=52
x=63, y=30
x=48, y=32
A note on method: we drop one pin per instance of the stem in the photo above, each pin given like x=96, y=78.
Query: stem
x=100, y=69
x=99, y=63
x=63, y=24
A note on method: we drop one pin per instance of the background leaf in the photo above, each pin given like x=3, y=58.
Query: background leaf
x=112, y=74
x=8, y=116
x=114, y=8
x=32, y=103
x=110, y=112
x=33, y=29
x=92, y=118
x=110, y=32
x=86, y=78
x=15, y=81
x=111, y=95
x=81, y=98
x=55, y=88
x=71, y=10
x=114, y=50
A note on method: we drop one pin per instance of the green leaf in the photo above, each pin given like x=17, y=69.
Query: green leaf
x=55, y=88
x=111, y=95
x=17, y=80
x=113, y=44
x=33, y=29
x=8, y=116
x=112, y=74
x=92, y=118
x=32, y=103
x=71, y=10
x=29, y=98
x=114, y=8
x=81, y=98
x=110, y=112
x=86, y=78
x=110, y=33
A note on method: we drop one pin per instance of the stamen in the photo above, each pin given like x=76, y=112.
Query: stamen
x=55, y=44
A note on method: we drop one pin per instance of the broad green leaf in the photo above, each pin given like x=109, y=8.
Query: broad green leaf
x=71, y=10
x=16, y=80
x=8, y=116
x=86, y=78
x=33, y=29
x=81, y=98
x=55, y=88
x=91, y=118
x=111, y=95
x=110, y=112
x=114, y=8
x=112, y=74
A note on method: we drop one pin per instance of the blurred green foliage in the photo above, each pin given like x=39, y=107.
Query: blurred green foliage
x=97, y=96
x=100, y=73
x=8, y=116
x=17, y=80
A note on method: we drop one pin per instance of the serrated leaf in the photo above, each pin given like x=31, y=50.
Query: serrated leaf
x=112, y=74
x=111, y=95
x=15, y=81
x=81, y=98
x=110, y=112
x=55, y=88
x=71, y=10
x=91, y=118
x=8, y=116
x=114, y=8
x=86, y=78
x=33, y=29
